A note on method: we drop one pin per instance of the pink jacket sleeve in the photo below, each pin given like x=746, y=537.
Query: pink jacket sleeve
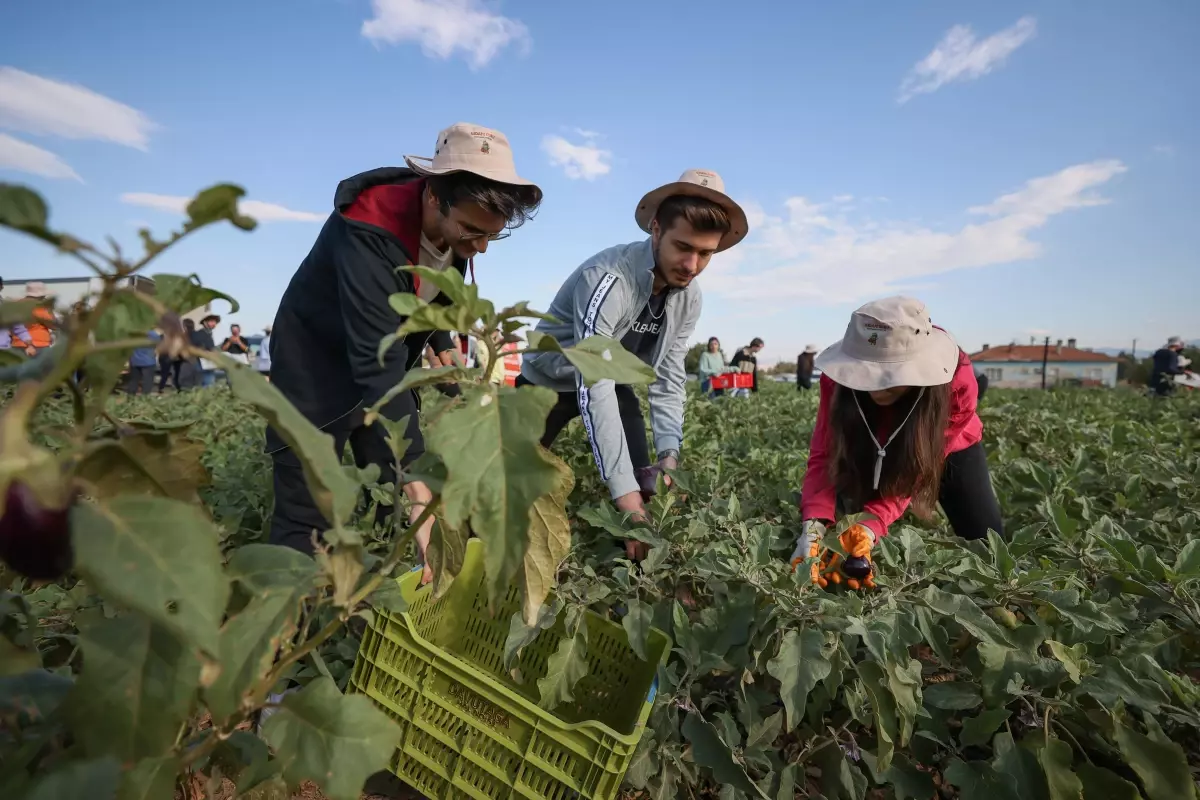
x=818, y=500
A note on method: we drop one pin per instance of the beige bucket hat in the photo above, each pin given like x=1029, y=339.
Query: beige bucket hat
x=888, y=343
x=464, y=147
x=811, y=349
x=35, y=290
x=701, y=183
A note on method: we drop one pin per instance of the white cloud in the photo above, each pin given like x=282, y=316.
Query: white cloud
x=959, y=56
x=444, y=27
x=24, y=157
x=1164, y=149
x=263, y=212
x=586, y=160
x=37, y=105
x=815, y=253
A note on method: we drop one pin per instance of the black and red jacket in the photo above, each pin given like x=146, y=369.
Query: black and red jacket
x=325, y=339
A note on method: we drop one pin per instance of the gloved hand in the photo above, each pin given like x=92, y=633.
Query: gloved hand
x=857, y=570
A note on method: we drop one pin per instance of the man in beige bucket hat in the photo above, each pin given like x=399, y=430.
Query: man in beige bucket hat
x=440, y=212
x=643, y=294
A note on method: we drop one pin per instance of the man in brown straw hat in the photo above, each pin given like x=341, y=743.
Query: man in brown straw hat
x=440, y=212
x=645, y=295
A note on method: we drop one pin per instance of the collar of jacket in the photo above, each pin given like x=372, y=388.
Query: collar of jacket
x=642, y=260
x=396, y=209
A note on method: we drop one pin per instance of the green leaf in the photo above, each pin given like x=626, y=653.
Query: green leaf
x=248, y=646
x=952, y=696
x=137, y=687
x=1187, y=563
x=17, y=312
x=30, y=698
x=874, y=682
x=1001, y=557
x=1056, y=759
x=977, y=731
x=150, y=779
x=163, y=463
x=521, y=635
x=184, y=293
x=840, y=780
x=422, y=316
x=908, y=782
x=1102, y=784
x=1071, y=657
x=216, y=203
x=565, y=668
x=600, y=358
x=978, y=780
x=549, y=539
x=1113, y=681
x=258, y=567
x=336, y=741
x=802, y=663
x=967, y=614
x=1161, y=765
x=156, y=556
x=1021, y=766
x=24, y=210
x=709, y=751
x=446, y=554
x=333, y=490
x=763, y=734
x=496, y=471
x=79, y=780
x=388, y=597
x=638, y=618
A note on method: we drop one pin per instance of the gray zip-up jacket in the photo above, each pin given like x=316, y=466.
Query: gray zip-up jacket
x=604, y=297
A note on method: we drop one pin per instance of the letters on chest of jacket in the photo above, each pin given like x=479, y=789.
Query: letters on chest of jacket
x=646, y=327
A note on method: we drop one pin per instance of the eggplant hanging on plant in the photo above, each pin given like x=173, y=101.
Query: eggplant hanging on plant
x=35, y=540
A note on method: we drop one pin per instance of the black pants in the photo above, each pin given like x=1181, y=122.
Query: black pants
x=169, y=368
x=295, y=515
x=140, y=376
x=966, y=494
x=634, y=424
x=803, y=382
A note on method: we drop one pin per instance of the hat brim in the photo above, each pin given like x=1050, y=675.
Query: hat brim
x=935, y=367
x=647, y=208
x=424, y=166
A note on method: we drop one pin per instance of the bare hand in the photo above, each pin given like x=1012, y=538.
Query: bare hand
x=420, y=496
x=632, y=504
x=31, y=351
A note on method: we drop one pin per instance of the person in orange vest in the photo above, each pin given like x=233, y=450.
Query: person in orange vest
x=38, y=334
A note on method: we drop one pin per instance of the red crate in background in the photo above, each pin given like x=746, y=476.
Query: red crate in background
x=733, y=380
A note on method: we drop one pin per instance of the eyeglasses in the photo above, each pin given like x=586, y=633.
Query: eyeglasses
x=464, y=236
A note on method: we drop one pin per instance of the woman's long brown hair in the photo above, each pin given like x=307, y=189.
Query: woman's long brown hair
x=913, y=466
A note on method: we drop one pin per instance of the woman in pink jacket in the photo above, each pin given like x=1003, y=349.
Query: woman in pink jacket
x=896, y=426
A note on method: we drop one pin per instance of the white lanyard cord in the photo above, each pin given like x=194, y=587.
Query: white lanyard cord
x=882, y=448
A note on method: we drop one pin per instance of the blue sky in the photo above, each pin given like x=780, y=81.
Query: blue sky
x=1026, y=170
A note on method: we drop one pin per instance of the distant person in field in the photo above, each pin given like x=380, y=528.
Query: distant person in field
x=236, y=345
x=440, y=212
x=38, y=332
x=1166, y=366
x=712, y=364
x=143, y=363
x=17, y=333
x=896, y=426
x=202, y=338
x=804, y=368
x=745, y=360
x=262, y=360
x=644, y=295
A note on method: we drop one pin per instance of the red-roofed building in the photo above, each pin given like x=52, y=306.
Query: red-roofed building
x=1019, y=366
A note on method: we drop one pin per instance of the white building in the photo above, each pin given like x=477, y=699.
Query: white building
x=1016, y=366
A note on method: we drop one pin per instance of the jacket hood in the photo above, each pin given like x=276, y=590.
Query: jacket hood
x=388, y=198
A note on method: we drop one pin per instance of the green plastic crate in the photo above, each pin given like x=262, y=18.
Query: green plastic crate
x=469, y=729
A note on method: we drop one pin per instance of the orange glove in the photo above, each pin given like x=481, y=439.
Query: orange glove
x=857, y=541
